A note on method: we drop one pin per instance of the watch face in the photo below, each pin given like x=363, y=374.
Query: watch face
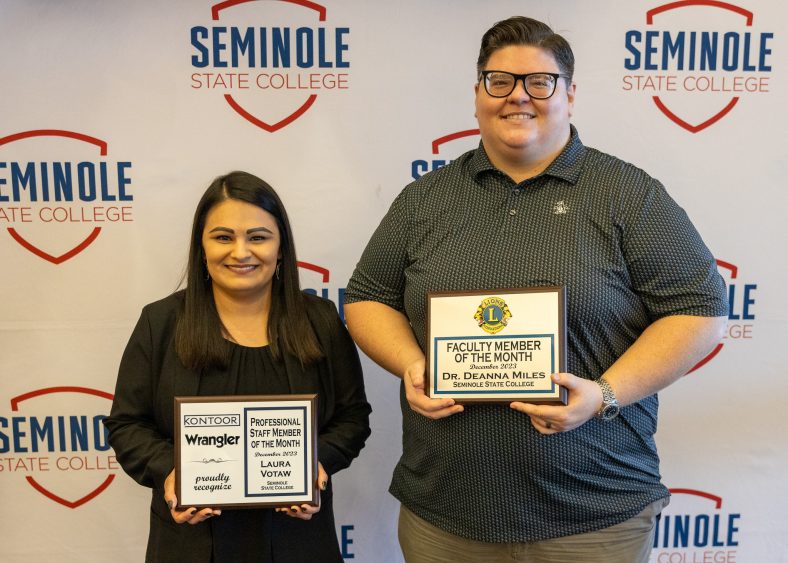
x=609, y=412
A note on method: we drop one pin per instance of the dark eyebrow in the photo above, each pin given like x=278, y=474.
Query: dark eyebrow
x=258, y=229
x=248, y=232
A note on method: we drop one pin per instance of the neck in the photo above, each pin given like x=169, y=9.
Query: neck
x=522, y=165
x=245, y=318
x=519, y=171
x=246, y=305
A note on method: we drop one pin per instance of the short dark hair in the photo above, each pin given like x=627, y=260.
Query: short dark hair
x=519, y=30
x=199, y=341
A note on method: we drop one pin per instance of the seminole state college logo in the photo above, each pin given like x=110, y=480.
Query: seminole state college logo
x=696, y=59
x=269, y=61
x=696, y=528
x=59, y=190
x=421, y=166
x=54, y=440
x=315, y=280
x=493, y=315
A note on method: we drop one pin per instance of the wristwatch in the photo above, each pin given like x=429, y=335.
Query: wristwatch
x=609, y=409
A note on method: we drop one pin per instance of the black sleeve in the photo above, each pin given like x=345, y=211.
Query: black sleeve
x=141, y=449
x=672, y=270
x=346, y=429
x=380, y=273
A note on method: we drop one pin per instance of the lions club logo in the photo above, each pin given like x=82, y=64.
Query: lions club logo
x=493, y=315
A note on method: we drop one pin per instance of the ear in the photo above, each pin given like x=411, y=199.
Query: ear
x=570, y=96
x=476, y=99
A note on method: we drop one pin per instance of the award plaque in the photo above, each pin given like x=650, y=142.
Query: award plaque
x=246, y=451
x=496, y=346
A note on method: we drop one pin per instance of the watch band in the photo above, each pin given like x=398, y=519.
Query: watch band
x=610, y=408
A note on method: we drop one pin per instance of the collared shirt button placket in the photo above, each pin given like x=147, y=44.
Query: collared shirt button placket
x=512, y=200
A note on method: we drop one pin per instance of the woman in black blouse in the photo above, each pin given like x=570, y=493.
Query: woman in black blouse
x=241, y=327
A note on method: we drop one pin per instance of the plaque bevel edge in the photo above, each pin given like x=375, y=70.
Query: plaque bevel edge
x=310, y=397
x=560, y=290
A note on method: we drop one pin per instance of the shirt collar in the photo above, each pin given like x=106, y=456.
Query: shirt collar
x=566, y=166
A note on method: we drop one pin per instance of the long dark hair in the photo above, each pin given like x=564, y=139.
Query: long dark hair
x=199, y=342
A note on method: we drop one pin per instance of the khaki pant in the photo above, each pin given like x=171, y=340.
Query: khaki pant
x=628, y=542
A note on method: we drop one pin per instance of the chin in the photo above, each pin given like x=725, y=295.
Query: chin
x=520, y=146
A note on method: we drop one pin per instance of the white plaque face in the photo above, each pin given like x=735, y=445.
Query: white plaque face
x=497, y=346
x=246, y=451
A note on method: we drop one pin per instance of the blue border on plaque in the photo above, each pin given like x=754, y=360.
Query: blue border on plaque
x=307, y=438
x=435, y=392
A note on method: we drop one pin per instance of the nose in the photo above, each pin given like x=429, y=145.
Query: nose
x=240, y=249
x=519, y=94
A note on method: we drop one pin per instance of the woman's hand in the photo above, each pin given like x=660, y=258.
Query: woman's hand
x=191, y=514
x=305, y=511
x=584, y=401
x=413, y=378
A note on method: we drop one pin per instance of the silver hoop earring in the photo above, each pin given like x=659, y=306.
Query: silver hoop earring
x=276, y=272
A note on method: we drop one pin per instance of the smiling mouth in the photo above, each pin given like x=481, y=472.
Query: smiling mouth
x=518, y=116
x=241, y=269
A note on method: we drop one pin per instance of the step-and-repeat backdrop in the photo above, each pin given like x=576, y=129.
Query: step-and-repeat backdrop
x=115, y=116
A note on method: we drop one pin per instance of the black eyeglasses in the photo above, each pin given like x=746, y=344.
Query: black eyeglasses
x=538, y=85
